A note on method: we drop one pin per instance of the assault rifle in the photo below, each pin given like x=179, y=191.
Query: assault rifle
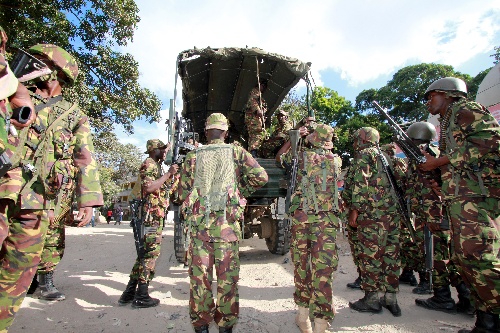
x=137, y=223
x=429, y=254
x=292, y=169
x=404, y=142
x=399, y=195
x=26, y=67
x=183, y=130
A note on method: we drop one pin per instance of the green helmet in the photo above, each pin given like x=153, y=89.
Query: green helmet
x=61, y=59
x=448, y=84
x=421, y=130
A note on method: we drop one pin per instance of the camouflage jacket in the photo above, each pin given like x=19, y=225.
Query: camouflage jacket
x=252, y=120
x=282, y=130
x=221, y=225
x=418, y=190
x=472, y=144
x=317, y=177
x=49, y=153
x=366, y=186
x=157, y=202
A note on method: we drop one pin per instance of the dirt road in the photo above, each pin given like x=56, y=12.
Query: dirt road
x=95, y=270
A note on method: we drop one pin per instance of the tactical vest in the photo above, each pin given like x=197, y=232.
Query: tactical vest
x=318, y=184
x=214, y=176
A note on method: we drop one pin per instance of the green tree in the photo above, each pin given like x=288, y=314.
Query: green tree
x=496, y=55
x=331, y=108
x=118, y=163
x=92, y=30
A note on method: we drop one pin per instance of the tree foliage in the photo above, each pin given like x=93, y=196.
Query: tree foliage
x=107, y=88
x=496, y=55
x=330, y=107
x=117, y=162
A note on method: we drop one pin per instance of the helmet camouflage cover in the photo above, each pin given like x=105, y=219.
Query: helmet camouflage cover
x=61, y=59
x=217, y=121
x=154, y=144
x=368, y=134
x=322, y=137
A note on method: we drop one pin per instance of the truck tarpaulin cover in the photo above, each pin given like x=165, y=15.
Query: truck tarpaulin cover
x=219, y=80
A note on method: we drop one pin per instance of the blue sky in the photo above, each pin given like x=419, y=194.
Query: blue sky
x=352, y=45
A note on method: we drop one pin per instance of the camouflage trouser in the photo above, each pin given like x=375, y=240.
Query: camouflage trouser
x=21, y=232
x=255, y=130
x=445, y=272
x=314, y=255
x=412, y=252
x=152, y=247
x=352, y=239
x=203, y=256
x=53, y=247
x=379, y=253
x=475, y=224
x=255, y=139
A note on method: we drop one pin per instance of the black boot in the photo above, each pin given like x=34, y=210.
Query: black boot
x=48, y=291
x=464, y=305
x=142, y=298
x=129, y=293
x=441, y=301
x=33, y=286
x=390, y=302
x=424, y=285
x=225, y=329
x=485, y=323
x=357, y=283
x=369, y=303
x=201, y=329
x=407, y=277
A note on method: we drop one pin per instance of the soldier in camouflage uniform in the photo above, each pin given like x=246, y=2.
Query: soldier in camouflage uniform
x=215, y=179
x=270, y=147
x=470, y=158
x=427, y=206
x=315, y=219
x=60, y=133
x=154, y=187
x=255, y=113
x=372, y=207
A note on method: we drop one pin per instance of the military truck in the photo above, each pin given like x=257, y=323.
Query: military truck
x=220, y=80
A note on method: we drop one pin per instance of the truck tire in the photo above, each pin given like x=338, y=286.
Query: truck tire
x=179, y=237
x=279, y=242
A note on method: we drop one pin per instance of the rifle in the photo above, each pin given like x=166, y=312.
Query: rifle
x=399, y=195
x=429, y=254
x=183, y=130
x=292, y=170
x=26, y=67
x=137, y=223
x=404, y=142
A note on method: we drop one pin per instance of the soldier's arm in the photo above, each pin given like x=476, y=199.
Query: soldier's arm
x=88, y=188
x=156, y=184
x=186, y=176
x=253, y=176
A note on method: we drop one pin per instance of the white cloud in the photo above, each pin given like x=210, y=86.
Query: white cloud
x=361, y=40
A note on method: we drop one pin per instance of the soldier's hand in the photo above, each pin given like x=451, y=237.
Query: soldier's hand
x=353, y=217
x=51, y=217
x=303, y=131
x=84, y=216
x=173, y=169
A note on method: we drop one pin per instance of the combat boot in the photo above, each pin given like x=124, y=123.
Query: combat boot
x=357, y=283
x=424, y=286
x=225, y=330
x=407, y=277
x=369, y=303
x=48, y=291
x=129, y=293
x=464, y=305
x=320, y=325
x=142, y=298
x=302, y=320
x=390, y=302
x=486, y=322
x=201, y=329
x=441, y=301
x=33, y=286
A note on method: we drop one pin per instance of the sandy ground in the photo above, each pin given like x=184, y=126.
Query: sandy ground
x=95, y=270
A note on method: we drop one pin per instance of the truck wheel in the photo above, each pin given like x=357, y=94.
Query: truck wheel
x=279, y=242
x=179, y=237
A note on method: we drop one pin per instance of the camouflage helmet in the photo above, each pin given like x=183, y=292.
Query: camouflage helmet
x=154, y=144
x=322, y=137
x=217, y=121
x=61, y=59
x=421, y=130
x=368, y=134
x=448, y=84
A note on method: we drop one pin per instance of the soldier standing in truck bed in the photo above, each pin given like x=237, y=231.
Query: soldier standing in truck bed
x=255, y=113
